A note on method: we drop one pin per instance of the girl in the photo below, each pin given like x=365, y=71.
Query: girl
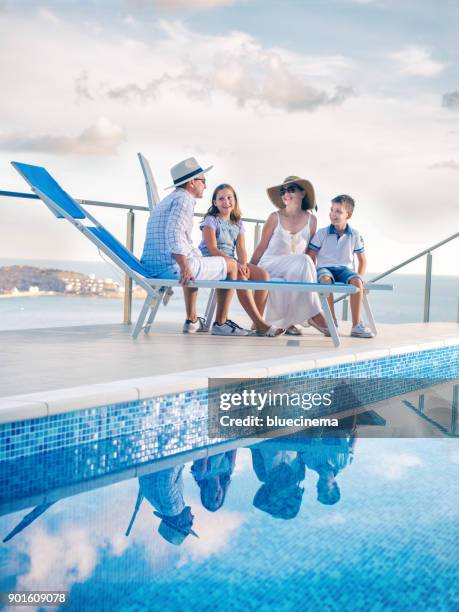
x=213, y=477
x=223, y=235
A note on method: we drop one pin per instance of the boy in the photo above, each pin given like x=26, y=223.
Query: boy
x=332, y=248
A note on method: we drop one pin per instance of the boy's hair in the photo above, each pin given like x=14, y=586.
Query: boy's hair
x=346, y=201
x=235, y=215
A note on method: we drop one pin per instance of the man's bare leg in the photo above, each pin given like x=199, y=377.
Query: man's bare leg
x=190, y=295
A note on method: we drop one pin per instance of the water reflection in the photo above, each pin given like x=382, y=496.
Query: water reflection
x=281, y=472
x=362, y=540
x=164, y=491
x=213, y=477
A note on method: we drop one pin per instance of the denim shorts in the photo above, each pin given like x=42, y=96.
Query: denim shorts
x=339, y=274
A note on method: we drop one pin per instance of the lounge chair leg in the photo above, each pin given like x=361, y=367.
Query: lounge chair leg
x=369, y=313
x=210, y=308
x=154, y=309
x=329, y=319
x=142, y=315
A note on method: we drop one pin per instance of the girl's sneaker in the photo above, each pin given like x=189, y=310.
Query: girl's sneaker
x=229, y=328
x=191, y=327
x=360, y=331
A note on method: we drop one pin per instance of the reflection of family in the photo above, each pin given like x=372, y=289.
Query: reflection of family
x=282, y=471
x=290, y=246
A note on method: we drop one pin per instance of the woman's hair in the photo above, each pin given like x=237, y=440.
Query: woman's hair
x=235, y=215
x=305, y=203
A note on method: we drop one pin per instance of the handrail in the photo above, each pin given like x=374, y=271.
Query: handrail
x=428, y=276
x=130, y=224
x=421, y=254
x=32, y=196
x=130, y=241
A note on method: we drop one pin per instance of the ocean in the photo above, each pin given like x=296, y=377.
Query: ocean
x=403, y=305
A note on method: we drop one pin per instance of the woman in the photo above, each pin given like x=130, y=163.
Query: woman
x=282, y=252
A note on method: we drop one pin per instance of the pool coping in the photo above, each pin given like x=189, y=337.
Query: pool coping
x=71, y=399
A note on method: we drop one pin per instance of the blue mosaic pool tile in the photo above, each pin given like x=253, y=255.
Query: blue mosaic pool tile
x=47, y=434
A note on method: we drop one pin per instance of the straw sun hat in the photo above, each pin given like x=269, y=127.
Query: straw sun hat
x=275, y=196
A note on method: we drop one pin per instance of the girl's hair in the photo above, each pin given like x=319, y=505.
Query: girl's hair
x=207, y=500
x=235, y=215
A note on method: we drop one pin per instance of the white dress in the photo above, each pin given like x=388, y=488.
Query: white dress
x=285, y=259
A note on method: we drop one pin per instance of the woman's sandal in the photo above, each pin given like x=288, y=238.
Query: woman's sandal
x=293, y=331
x=323, y=330
x=272, y=332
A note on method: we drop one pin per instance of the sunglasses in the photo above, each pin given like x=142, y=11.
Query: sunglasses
x=289, y=189
x=201, y=179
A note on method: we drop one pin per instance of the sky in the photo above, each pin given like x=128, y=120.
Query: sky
x=358, y=96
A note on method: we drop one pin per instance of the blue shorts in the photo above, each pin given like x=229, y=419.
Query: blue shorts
x=338, y=274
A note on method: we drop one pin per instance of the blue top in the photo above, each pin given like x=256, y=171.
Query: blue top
x=226, y=233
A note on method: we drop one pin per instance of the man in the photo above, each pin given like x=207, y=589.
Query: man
x=164, y=491
x=169, y=251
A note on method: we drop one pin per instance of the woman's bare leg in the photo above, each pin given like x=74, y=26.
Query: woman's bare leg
x=261, y=297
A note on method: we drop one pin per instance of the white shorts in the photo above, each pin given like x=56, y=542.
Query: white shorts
x=203, y=268
x=208, y=268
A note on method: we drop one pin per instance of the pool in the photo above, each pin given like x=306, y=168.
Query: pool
x=285, y=524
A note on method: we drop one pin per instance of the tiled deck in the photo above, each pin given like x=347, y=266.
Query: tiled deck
x=64, y=369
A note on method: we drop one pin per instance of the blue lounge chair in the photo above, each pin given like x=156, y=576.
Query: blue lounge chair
x=157, y=289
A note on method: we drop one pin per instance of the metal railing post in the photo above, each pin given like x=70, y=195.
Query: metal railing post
x=427, y=288
x=345, y=310
x=256, y=235
x=127, y=280
x=454, y=409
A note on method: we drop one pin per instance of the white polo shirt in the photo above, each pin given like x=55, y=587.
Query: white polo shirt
x=335, y=250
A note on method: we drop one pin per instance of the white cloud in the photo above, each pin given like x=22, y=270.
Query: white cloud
x=330, y=519
x=46, y=15
x=448, y=165
x=101, y=138
x=65, y=557
x=450, y=100
x=241, y=68
x=82, y=87
x=186, y=4
x=215, y=532
x=354, y=146
x=394, y=466
x=416, y=61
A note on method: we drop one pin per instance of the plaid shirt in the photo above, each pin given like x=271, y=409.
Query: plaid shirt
x=164, y=490
x=169, y=232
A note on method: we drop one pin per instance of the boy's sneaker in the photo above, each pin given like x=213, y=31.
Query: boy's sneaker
x=191, y=327
x=360, y=331
x=229, y=328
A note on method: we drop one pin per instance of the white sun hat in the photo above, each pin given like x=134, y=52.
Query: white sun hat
x=185, y=171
